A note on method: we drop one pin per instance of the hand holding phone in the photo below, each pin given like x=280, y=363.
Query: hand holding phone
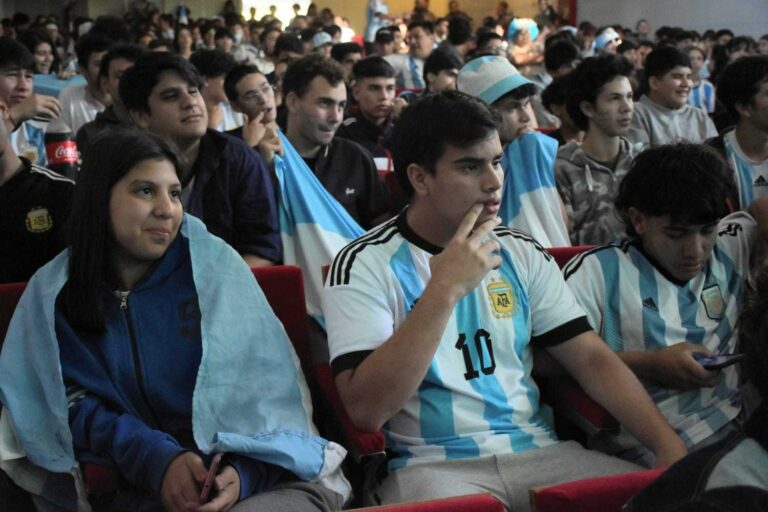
x=212, y=471
x=717, y=362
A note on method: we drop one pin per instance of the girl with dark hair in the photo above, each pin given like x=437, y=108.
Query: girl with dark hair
x=142, y=347
x=43, y=49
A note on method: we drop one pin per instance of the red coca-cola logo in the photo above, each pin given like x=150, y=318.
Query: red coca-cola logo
x=62, y=152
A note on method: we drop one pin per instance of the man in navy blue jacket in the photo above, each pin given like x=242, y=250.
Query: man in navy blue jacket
x=225, y=183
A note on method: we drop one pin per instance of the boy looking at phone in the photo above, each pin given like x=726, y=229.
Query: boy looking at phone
x=670, y=293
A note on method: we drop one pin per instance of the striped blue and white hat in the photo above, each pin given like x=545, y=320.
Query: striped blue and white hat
x=489, y=78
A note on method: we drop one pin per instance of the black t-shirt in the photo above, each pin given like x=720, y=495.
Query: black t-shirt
x=34, y=207
x=348, y=172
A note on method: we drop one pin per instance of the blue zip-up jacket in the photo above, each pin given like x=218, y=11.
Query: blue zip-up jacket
x=130, y=390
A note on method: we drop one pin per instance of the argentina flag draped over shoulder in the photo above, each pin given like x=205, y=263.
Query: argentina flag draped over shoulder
x=313, y=225
x=529, y=200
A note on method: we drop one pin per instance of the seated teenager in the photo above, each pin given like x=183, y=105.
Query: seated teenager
x=137, y=322
x=224, y=182
x=663, y=115
x=588, y=174
x=670, y=293
x=431, y=322
x=732, y=475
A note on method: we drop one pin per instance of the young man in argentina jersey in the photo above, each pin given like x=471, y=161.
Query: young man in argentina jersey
x=673, y=289
x=743, y=89
x=431, y=321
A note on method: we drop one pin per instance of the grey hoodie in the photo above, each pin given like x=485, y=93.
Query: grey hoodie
x=588, y=189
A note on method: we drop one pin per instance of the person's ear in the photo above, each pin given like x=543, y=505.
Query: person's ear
x=292, y=102
x=638, y=219
x=418, y=177
x=140, y=117
x=653, y=83
x=744, y=109
x=587, y=109
x=431, y=77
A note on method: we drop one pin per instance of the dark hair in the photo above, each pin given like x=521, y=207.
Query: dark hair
x=626, y=46
x=222, y=32
x=485, y=37
x=234, y=76
x=332, y=30
x=740, y=43
x=373, y=67
x=559, y=54
x=13, y=54
x=740, y=81
x=591, y=75
x=557, y=92
x=89, y=44
x=33, y=38
x=137, y=83
x=440, y=60
x=753, y=331
x=288, y=42
x=160, y=43
x=459, y=29
x=519, y=93
x=267, y=30
x=341, y=50
x=647, y=44
x=212, y=63
x=663, y=60
x=128, y=51
x=434, y=121
x=689, y=182
x=114, y=152
x=299, y=74
x=428, y=26
x=723, y=32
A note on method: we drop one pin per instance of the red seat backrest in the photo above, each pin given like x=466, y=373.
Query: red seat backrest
x=283, y=286
x=563, y=255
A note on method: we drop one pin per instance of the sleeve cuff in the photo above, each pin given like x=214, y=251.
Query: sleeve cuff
x=562, y=333
x=159, y=457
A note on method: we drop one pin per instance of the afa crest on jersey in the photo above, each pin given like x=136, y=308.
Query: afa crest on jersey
x=502, y=297
x=39, y=220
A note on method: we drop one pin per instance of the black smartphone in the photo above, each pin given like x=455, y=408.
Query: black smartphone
x=717, y=362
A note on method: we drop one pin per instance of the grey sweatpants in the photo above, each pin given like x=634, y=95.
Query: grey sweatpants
x=508, y=477
x=296, y=496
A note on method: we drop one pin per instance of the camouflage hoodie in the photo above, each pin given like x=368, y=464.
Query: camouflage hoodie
x=588, y=189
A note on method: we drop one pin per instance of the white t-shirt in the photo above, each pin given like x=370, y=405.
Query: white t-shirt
x=78, y=106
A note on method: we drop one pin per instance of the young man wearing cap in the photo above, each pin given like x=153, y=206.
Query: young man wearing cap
x=384, y=43
x=607, y=41
x=322, y=43
x=530, y=201
x=409, y=67
x=743, y=89
x=432, y=318
x=663, y=115
x=371, y=119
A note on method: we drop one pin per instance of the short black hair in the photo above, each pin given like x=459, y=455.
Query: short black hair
x=89, y=44
x=299, y=74
x=212, y=63
x=128, y=51
x=486, y=36
x=559, y=54
x=519, y=93
x=626, y=46
x=373, y=67
x=14, y=55
x=223, y=32
x=459, y=29
x=428, y=26
x=689, y=182
x=663, y=60
x=591, y=75
x=431, y=123
x=288, y=42
x=137, y=83
x=740, y=81
x=341, y=50
x=557, y=92
x=440, y=60
x=235, y=75
x=268, y=30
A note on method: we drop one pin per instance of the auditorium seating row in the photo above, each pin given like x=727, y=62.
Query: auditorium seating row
x=284, y=289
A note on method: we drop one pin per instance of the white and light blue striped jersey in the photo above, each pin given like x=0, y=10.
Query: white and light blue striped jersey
x=703, y=96
x=478, y=397
x=29, y=141
x=751, y=176
x=635, y=307
x=530, y=201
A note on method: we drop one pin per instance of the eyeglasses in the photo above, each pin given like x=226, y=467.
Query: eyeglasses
x=263, y=92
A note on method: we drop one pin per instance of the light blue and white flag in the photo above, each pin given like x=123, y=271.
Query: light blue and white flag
x=529, y=200
x=313, y=224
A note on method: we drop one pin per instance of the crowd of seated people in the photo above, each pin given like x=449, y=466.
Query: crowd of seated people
x=427, y=167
